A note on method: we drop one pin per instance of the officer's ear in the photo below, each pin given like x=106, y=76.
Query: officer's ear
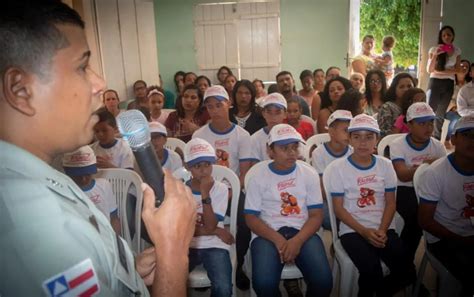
x=17, y=90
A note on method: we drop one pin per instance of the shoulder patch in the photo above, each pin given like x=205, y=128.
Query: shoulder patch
x=78, y=280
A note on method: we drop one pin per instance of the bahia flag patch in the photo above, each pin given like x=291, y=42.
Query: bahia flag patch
x=79, y=280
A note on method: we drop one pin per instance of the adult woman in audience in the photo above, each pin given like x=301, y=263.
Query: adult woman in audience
x=189, y=115
x=222, y=74
x=333, y=91
x=190, y=78
x=203, y=82
x=332, y=72
x=179, y=81
x=111, y=102
x=365, y=61
x=229, y=84
x=259, y=88
x=443, y=63
x=245, y=111
x=375, y=89
x=353, y=101
x=319, y=80
x=392, y=108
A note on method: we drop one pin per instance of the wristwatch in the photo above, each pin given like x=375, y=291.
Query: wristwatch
x=207, y=200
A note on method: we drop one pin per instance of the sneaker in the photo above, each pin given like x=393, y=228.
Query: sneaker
x=241, y=280
x=292, y=288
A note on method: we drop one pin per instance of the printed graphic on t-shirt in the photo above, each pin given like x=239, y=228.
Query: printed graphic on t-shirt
x=222, y=158
x=468, y=210
x=199, y=221
x=367, y=197
x=289, y=204
x=95, y=198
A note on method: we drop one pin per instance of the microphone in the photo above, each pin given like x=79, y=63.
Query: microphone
x=134, y=128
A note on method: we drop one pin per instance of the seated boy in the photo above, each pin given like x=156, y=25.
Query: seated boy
x=80, y=166
x=169, y=159
x=407, y=153
x=283, y=208
x=111, y=152
x=337, y=147
x=362, y=187
x=210, y=244
x=446, y=210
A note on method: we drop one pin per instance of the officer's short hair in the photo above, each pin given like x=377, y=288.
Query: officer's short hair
x=29, y=37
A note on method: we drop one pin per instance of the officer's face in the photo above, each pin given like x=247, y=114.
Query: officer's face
x=65, y=103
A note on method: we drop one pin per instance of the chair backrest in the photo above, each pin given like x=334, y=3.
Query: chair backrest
x=332, y=215
x=384, y=142
x=125, y=181
x=175, y=143
x=315, y=140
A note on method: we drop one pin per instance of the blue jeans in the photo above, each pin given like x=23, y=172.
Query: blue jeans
x=312, y=262
x=219, y=269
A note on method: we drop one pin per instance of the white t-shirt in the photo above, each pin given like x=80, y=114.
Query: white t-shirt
x=232, y=146
x=219, y=196
x=259, y=144
x=162, y=118
x=322, y=157
x=100, y=192
x=283, y=198
x=450, y=63
x=363, y=189
x=465, y=99
x=402, y=149
x=171, y=160
x=119, y=154
x=453, y=192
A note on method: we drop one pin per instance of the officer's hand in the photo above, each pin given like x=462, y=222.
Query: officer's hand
x=171, y=226
x=145, y=264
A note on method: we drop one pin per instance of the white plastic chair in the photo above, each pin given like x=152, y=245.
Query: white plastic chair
x=174, y=143
x=290, y=271
x=198, y=277
x=448, y=284
x=349, y=275
x=122, y=181
x=386, y=142
x=315, y=140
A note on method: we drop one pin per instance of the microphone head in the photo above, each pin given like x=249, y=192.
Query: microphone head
x=134, y=128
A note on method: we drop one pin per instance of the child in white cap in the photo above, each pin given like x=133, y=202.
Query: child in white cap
x=81, y=166
x=283, y=208
x=210, y=244
x=362, y=188
x=274, y=112
x=446, y=210
x=169, y=159
x=407, y=153
x=337, y=147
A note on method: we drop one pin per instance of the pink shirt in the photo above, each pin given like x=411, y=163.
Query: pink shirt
x=401, y=125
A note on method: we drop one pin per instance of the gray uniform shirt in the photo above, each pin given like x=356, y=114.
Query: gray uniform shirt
x=49, y=228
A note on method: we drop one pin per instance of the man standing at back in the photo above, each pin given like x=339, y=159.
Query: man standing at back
x=54, y=241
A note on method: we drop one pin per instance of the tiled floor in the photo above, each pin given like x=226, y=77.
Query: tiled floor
x=429, y=278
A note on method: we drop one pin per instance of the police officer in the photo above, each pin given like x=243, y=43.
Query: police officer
x=53, y=240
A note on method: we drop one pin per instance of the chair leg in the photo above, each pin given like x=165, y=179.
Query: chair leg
x=347, y=280
x=421, y=273
x=335, y=272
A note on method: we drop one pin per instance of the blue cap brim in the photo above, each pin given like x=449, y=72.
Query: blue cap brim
x=460, y=130
x=80, y=171
x=209, y=159
x=424, y=119
x=287, y=141
x=154, y=134
x=363, y=129
x=219, y=98
x=280, y=106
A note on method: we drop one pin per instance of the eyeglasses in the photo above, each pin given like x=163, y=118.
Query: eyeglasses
x=375, y=81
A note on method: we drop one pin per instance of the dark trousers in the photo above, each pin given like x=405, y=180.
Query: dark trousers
x=441, y=91
x=458, y=258
x=243, y=235
x=407, y=207
x=367, y=259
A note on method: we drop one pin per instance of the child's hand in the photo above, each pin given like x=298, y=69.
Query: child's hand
x=281, y=245
x=206, y=185
x=104, y=162
x=188, y=125
x=382, y=235
x=373, y=238
x=292, y=250
x=224, y=235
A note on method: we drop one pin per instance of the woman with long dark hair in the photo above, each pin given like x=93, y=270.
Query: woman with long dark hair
x=333, y=90
x=375, y=89
x=245, y=111
x=443, y=63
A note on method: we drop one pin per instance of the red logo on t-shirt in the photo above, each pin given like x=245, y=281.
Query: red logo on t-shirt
x=221, y=143
x=366, y=180
x=468, y=210
x=468, y=186
x=366, y=197
x=286, y=184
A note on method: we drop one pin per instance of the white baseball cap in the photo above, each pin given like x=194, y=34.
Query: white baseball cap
x=216, y=91
x=465, y=123
x=156, y=127
x=198, y=150
x=420, y=112
x=275, y=99
x=282, y=134
x=339, y=115
x=363, y=122
x=80, y=162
